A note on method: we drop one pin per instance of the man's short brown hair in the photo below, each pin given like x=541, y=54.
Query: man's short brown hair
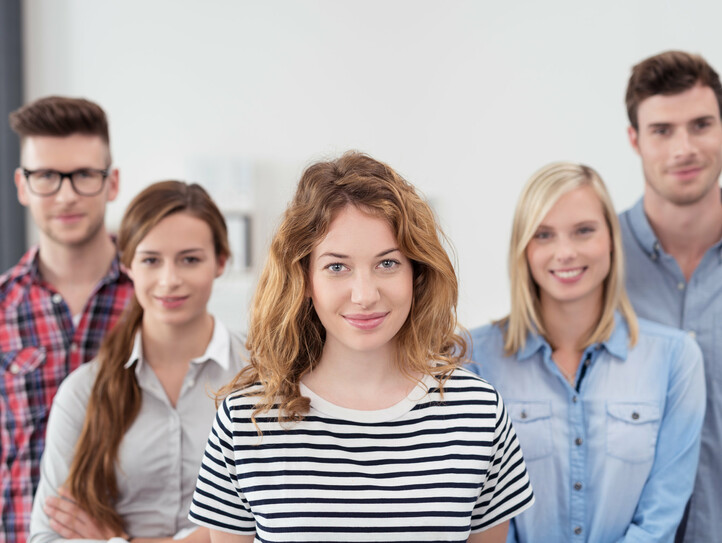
x=60, y=116
x=671, y=72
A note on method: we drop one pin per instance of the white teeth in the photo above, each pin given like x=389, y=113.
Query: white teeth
x=568, y=274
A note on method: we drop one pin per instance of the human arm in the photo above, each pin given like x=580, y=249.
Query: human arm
x=495, y=534
x=671, y=478
x=218, y=501
x=218, y=536
x=72, y=523
x=506, y=490
x=64, y=426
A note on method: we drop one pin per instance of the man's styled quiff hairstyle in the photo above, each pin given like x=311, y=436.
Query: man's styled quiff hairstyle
x=538, y=196
x=671, y=72
x=286, y=337
x=60, y=116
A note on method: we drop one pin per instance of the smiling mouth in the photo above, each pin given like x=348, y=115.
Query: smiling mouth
x=171, y=302
x=366, y=322
x=570, y=273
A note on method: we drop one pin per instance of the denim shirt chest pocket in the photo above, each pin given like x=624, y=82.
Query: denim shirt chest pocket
x=632, y=429
x=532, y=423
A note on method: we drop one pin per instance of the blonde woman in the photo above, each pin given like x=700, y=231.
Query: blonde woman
x=353, y=421
x=608, y=408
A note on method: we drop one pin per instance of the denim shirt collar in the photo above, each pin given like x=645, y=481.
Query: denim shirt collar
x=645, y=236
x=642, y=230
x=617, y=344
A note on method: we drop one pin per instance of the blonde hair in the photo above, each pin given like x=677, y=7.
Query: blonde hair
x=286, y=337
x=539, y=195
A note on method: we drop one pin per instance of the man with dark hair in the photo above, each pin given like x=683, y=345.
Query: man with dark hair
x=64, y=294
x=673, y=237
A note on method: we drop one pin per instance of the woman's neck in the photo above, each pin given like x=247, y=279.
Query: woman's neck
x=567, y=324
x=168, y=344
x=359, y=380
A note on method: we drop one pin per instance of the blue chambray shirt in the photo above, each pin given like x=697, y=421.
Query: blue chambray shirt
x=659, y=292
x=614, y=461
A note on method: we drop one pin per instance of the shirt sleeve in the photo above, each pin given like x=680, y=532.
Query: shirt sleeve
x=506, y=491
x=671, y=479
x=218, y=501
x=65, y=423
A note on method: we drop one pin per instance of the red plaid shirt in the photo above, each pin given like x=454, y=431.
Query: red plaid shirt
x=39, y=346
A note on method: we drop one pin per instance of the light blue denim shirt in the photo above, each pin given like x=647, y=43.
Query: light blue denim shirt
x=614, y=460
x=659, y=292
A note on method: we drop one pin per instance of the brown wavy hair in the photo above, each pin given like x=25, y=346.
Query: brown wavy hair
x=115, y=399
x=286, y=337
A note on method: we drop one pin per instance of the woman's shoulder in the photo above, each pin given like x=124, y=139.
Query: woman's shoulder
x=76, y=387
x=678, y=345
x=486, y=345
x=463, y=381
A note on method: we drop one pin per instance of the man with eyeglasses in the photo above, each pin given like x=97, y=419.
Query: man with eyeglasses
x=62, y=297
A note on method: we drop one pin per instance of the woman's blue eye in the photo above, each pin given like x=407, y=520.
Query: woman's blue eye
x=389, y=263
x=335, y=267
x=542, y=235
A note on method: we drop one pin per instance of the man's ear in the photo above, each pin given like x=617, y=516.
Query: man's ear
x=633, y=138
x=21, y=187
x=113, y=184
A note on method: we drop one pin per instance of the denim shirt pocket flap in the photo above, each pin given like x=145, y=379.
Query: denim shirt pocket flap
x=532, y=423
x=632, y=429
x=22, y=361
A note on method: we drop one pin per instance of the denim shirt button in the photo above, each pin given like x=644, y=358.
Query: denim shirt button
x=635, y=416
x=578, y=530
x=577, y=486
x=578, y=441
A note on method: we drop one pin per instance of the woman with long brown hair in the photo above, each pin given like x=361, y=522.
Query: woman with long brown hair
x=140, y=412
x=354, y=421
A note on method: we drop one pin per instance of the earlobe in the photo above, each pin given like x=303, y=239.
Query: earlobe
x=633, y=138
x=20, y=186
x=113, y=184
x=221, y=265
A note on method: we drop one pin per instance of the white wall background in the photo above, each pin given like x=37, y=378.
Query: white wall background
x=466, y=99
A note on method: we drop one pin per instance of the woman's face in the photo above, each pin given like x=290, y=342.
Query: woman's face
x=570, y=253
x=173, y=269
x=361, y=284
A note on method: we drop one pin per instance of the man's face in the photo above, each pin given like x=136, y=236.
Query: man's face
x=66, y=218
x=680, y=142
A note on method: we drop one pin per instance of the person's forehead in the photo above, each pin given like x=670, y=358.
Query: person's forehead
x=696, y=102
x=64, y=152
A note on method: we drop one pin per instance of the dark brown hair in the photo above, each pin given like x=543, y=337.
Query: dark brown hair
x=60, y=116
x=115, y=399
x=286, y=337
x=671, y=72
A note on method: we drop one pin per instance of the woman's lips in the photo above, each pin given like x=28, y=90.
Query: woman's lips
x=366, y=321
x=171, y=302
x=569, y=275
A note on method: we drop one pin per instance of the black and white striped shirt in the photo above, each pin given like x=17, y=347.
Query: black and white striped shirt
x=426, y=469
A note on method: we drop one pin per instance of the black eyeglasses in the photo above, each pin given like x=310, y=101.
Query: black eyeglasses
x=85, y=181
